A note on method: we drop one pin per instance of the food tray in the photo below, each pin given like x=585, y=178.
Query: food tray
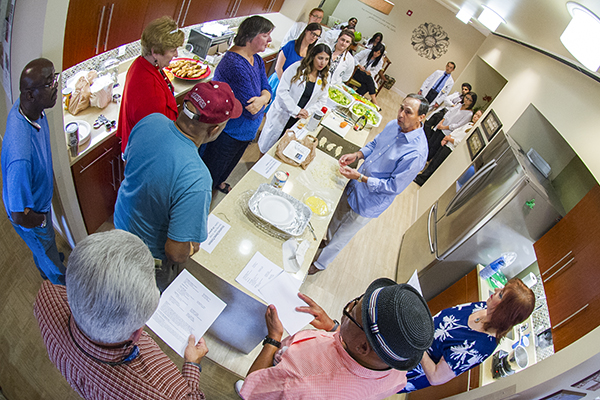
x=333, y=138
x=302, y=212
x=374, y=111
x=204, y=75
x=347, y=95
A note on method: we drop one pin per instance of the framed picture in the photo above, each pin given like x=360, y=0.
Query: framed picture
x=491, y=125
x=475, y=143
x=592, y=382
x=565, y=395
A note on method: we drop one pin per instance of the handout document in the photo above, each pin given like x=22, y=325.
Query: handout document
x=217, y=228
x=283, y=293
x=257, y=273
x=185, y=307
x=266, y=166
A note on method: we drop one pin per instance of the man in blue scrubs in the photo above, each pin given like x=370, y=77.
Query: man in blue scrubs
x=27, y=174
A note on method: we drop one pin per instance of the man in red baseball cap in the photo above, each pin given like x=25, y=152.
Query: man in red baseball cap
x=166, y=194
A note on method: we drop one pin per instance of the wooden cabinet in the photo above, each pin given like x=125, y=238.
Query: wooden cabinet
x=97, y=177
x=95, y=26
x=568, y=260
x=172, y=8
x=466, y=290
x=270, y=63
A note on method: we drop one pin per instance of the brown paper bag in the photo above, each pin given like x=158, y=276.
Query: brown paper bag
x=80, y=99
x=308, y=141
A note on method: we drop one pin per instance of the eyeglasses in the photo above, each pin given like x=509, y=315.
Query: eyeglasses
x=349, y=307
x=315, y=35
x=48, y=85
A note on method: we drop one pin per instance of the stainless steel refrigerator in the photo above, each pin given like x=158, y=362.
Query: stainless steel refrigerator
x=506, y=205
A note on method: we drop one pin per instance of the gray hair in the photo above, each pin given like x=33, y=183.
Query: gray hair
x=424, y=106
x=111, y=286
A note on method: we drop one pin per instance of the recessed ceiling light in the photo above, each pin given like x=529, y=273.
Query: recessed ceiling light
x=490, y=18
x=582, y=36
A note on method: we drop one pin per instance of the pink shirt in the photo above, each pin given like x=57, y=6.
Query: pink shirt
x=316, y=366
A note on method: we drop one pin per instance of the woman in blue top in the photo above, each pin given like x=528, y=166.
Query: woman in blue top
x=467, y=334
x=244, y=70
x=293, y=51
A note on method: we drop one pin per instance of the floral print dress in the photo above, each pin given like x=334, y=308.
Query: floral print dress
x=462, y=347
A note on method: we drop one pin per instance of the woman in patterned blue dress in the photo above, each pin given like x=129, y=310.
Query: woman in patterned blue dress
x=467, y=334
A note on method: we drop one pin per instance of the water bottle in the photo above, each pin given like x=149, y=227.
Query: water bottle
x=503, y=261
x=314, y=121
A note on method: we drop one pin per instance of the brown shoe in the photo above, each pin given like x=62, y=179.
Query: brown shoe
x=313, y=269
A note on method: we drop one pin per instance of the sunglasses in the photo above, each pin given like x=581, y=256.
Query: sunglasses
x=349, y=307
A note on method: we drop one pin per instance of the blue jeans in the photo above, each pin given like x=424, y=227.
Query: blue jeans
x=42, y=244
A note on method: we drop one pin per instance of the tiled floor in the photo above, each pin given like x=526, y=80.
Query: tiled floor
x=26, y=372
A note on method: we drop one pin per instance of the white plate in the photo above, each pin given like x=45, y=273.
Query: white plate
x=276, y=210
x=84, y=131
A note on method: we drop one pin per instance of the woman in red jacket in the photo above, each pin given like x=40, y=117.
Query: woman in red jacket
x=147, y=89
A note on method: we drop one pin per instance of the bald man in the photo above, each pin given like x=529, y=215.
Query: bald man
x=27, y=175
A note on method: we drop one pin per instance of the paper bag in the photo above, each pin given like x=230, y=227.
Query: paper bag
x=308, y=141
x=80, y=99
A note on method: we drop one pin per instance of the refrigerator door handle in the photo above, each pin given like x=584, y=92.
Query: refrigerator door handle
x=431, y=245
x=477, y=179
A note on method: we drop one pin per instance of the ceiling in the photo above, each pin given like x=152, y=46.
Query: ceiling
x=536, y=22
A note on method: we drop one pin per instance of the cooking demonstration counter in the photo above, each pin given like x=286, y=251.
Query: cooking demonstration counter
x=241, y=327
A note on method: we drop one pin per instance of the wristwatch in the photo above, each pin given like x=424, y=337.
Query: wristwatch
x=272, y=342
x=336, y=324
x=43, y=225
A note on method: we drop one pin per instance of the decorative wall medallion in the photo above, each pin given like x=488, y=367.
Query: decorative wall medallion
x=430, y=41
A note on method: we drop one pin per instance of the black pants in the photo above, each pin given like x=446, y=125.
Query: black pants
x=222, y=155
x=366, y=83
x=431, y=95
x=436, y=161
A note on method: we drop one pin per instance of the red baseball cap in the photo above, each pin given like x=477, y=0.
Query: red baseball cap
x=214, y=102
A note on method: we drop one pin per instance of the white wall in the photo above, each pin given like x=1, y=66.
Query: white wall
x=409, y=69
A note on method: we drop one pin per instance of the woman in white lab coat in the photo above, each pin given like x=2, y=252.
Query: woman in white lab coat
x=302, y=91
x=342, y=62
x=369, y=63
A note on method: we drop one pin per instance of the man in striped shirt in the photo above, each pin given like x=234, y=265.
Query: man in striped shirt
x=382, y=334
x=93, y=328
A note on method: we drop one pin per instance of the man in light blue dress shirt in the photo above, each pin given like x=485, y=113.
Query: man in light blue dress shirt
x=392, y=160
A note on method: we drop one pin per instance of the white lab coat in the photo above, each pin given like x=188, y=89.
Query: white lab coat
x=330, y=37
x=430, y=82
x=285, y=105
x=294, y=32
x=344, y=70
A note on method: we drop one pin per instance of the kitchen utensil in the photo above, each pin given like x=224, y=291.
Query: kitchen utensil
x=518, y=358
x=312, y=230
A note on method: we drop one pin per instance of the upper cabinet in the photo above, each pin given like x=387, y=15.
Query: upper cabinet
x=95, y=26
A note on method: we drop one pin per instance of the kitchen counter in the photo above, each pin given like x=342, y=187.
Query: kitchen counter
x=485, y=372
x=241, y=327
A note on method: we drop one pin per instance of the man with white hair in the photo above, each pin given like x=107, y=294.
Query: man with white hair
x=93, y=328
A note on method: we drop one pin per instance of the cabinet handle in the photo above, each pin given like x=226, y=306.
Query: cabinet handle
x=238, y=3
x=556, y=263
x=179, y=15
x=100, y=29
x=120, y=165
x=93, y=162
x=429, y=228
x=112, y=7
x=271, y=6
x=560, y=269
x=230, y=7
x=186, y=13
x=112, y=170
x=569, y=317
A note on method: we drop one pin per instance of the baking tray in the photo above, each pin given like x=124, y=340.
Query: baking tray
x=302, y=211
x=334, y=138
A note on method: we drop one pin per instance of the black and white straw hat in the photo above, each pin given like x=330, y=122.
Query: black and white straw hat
x=397, y=323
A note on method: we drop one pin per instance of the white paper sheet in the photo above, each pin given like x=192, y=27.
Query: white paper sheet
x=266, y=166
x=217, y=228
x=259, y=271
x=185, y=307
x=414, y=282
x=283, y=293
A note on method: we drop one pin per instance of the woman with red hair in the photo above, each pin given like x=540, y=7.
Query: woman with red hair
x=467, y=334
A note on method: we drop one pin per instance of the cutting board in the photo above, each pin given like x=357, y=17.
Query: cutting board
x=333, y=121
x=335, y=140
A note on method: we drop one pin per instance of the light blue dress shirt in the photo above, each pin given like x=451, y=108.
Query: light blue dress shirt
x=392, y=160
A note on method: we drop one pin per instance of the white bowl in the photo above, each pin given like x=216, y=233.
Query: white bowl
x=371, y=109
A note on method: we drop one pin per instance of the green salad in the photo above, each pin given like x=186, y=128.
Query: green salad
x=360, y=110
x=337, y=96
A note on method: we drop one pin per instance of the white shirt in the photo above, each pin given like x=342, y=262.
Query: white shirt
x=455, y=118
x=361, y=59
x=431, y=81
x=294, y=32
x=459, y=135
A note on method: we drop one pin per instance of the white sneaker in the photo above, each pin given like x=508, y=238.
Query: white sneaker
x=238, y=387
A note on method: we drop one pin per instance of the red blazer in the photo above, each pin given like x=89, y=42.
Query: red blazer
x=146, y=92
